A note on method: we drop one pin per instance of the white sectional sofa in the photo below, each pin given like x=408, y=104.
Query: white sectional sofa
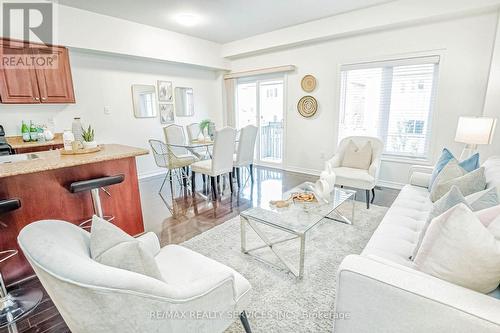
x=379, y=291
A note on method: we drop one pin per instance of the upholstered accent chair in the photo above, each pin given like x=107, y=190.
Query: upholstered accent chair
x=359, y=178
x=197, y=294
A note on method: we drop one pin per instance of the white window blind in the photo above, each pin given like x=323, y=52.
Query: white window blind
x=392, y=100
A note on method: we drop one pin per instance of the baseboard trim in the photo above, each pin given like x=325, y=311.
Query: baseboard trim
x=306, y=171
x=146, y=175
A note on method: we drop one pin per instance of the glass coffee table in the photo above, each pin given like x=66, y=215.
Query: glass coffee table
x=296, y=220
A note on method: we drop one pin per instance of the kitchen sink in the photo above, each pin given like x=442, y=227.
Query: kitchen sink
x=17, y=158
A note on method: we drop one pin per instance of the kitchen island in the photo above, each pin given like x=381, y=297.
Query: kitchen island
x=41, y=181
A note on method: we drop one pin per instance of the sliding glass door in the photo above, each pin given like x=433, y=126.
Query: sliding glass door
x=260, y=102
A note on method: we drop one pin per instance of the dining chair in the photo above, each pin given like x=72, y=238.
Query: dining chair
x=176, y=166
x=221, y=162
x=245, y=151
x=174, y=134
x=193, y=131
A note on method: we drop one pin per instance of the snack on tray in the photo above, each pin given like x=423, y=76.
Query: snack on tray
x=304, y=197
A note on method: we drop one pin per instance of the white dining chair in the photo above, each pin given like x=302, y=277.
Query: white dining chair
x=193, y=131
x=221, y=162
x=245, y=151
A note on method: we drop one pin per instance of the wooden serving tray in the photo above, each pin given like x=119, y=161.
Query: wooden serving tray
x=80, y=151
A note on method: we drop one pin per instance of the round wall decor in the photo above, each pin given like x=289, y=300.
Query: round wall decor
x=308, y=83
x=307, y=106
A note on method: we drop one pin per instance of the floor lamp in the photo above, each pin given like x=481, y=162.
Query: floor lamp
x=474, y=131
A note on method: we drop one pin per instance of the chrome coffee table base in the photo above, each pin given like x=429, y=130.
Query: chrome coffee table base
x=16, y=304
x=296, y=220
x=298, y=272
x=339, y=217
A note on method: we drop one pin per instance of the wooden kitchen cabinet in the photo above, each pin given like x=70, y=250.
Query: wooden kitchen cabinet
x=28, y=84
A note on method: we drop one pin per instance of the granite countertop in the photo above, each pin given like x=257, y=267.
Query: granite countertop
x=17, y=142
x=52, y=159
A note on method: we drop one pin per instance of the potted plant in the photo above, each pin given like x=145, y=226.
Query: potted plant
x=204, y=125
x=88, y=138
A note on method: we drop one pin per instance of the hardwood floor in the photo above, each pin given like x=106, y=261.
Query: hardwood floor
x=192, y=217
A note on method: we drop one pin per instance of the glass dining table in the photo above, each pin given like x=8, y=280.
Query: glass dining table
x=200, y=149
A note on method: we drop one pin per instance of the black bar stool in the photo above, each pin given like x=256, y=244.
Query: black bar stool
x=94, y=185
x=14, y=305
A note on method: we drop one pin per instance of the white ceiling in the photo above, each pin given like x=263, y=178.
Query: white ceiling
x=222, y=21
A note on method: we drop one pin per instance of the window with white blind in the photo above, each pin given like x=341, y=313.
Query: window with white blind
x=392, y=100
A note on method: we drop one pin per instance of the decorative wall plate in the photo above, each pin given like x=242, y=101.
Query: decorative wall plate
x=307, y=106
x=308, y=83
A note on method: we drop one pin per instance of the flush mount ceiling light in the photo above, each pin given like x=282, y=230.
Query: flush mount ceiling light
x=187, y=19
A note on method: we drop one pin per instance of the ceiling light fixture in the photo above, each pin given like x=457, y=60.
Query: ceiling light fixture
x=187, y=19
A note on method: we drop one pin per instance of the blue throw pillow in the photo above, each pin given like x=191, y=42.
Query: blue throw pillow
x=470, y=164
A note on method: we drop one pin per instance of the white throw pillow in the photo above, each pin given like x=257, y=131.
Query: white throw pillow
x=446, y=202
x=451, y=170
x=488, y=215
x=458, y=248
x=469, y=183
x=483, y=199
x=111, y=246
x=358, y=158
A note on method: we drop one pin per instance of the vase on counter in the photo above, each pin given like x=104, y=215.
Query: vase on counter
x=68, y=139
x=76, y=128
x=89, y=144
x=49, y=136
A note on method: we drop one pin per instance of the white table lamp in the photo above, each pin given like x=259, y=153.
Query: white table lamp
x=474, y=131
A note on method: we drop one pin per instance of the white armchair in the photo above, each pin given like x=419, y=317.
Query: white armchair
x=358, y=178
x=198, y=294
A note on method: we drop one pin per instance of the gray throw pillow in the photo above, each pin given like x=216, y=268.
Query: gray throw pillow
x=483, y=199
x=447, y=201
x=111, y=246
x=469, y=183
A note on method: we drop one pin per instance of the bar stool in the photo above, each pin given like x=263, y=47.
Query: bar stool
x=94, y=185
x=16, y=304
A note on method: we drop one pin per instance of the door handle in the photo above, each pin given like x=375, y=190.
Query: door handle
x=44, y=98
x=36, y=98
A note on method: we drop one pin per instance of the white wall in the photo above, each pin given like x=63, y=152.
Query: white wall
x=492, y=101
x=465, y=45
x=103, y=80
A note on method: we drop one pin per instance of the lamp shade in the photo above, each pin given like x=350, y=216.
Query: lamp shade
x=475, y=130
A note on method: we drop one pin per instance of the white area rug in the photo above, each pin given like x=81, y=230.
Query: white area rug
x=279, y=302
